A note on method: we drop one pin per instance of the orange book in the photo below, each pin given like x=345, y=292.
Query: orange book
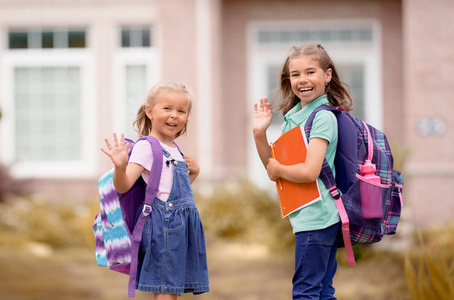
x=289, y=149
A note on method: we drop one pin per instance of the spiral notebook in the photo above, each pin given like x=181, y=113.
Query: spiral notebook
x=289, y=149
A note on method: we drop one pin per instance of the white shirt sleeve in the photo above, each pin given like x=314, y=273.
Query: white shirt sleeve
x=142, y=154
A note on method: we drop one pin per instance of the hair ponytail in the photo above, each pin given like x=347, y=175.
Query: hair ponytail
x=142, y=124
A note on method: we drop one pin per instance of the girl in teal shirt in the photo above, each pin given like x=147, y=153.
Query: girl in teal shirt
x=308, y=79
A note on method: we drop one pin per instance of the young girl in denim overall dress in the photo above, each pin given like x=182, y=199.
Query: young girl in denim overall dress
x=172, y=254
x=308, y=79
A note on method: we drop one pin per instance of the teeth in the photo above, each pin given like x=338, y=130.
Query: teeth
x=305, y=90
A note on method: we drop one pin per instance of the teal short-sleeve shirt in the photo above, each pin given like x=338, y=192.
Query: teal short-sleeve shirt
x=323, y=213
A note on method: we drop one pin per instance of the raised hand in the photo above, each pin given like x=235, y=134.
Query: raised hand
x=263, y=116
x=118, y=153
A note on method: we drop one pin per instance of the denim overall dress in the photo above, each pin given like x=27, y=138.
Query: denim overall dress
x=172, y=254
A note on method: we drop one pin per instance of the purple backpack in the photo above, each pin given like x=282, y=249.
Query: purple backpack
x=117, y=238
x=366, y=190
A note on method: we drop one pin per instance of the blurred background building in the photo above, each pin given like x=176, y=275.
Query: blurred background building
x=73, y=72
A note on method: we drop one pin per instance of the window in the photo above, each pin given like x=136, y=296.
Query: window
x=136, y=36
x=136, y=70
x=135, y=93
x=273, y=76
x=353, y=46
x=49, y=112
x=46, y=38
x=353, y=75
x=18, y=40
x=344, y=35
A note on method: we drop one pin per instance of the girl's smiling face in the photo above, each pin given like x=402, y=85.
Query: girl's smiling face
x=168, y=115
x=307, y=78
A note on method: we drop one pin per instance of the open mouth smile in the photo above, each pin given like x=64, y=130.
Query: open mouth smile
x=305, y=90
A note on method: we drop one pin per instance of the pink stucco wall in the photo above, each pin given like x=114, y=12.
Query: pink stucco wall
x=428, y=65
x=416, y=54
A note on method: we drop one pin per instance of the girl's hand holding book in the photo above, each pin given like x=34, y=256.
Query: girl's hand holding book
x=273, y=169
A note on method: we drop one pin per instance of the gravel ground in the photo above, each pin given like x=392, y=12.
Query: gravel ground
x=245, y=272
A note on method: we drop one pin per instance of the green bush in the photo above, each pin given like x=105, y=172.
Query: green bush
x=238, y=210
x=34, y=219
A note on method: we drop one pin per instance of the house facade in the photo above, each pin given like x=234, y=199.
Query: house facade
x=73, y=72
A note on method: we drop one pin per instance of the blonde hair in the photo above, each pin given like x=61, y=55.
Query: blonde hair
x=142, y=124
x=336, y=91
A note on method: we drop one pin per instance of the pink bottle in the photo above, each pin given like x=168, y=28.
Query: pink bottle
x=370, y=188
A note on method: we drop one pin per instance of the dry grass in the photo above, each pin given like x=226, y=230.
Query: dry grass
x=47, y=252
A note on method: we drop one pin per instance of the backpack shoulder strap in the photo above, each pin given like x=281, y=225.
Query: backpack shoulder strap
x=155, y=172
x=178, y=149
x=346, y=161
x=327, y=177
x=150, y=194
x=326, y=174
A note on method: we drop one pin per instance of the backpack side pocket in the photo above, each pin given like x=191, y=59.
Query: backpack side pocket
x=396, y=203
x=372, y=204
x=101, y=258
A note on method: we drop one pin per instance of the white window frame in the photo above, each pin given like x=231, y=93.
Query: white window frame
x=81, y=58
x=260, y=57
x=124, y=57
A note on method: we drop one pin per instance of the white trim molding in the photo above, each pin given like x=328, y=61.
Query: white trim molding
x=83, y=59
x=204, y=86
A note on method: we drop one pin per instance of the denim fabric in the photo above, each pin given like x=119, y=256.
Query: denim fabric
x=315, y=263
x=172, y=254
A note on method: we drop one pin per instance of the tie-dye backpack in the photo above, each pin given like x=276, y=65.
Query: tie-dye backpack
x=370, y=197
x=117, y=238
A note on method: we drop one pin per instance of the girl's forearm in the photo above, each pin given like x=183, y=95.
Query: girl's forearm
x=263, y=148
x=120, y=180
x=310, y=170
x=193, y=176
x=299, y=173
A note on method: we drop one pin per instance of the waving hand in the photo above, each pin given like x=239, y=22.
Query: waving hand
x=118, y=153
x=262, y=116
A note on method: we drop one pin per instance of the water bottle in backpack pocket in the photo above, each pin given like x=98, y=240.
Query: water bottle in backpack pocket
x=371, y=191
